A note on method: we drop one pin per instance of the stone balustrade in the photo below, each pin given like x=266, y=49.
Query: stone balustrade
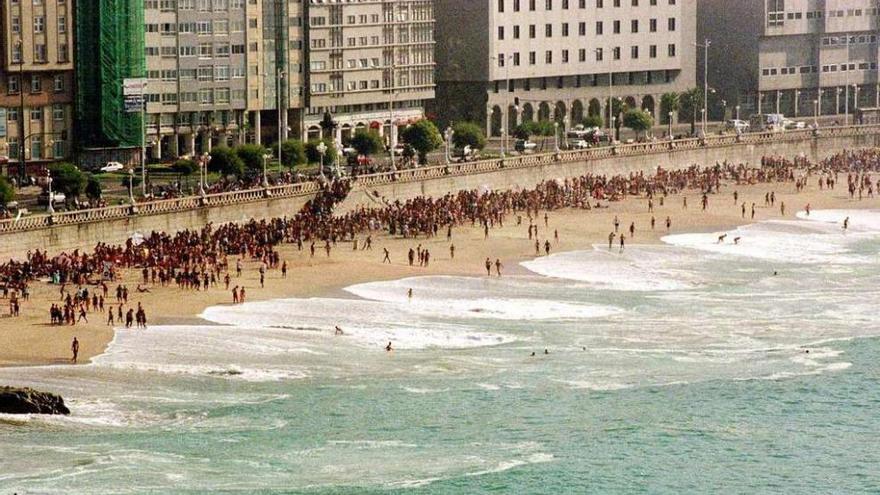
x=424, y=173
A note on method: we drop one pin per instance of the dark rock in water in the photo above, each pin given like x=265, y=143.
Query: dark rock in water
x=30, y=401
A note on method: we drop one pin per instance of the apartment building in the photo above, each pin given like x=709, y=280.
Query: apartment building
x=560, y=59
x=797, y=57
x=370, y=65
x=36, y=83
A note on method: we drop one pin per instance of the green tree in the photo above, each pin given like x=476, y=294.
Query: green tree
x=367, y=142
x=315, y=157
x=93, y=187
x=424, y=137
x=7, y=192
x=468, y=134
x=525, y=130
x=293, y=153
x=68, y=179
x=669, y=102
x=545, y=129
x=251, y=155
x=593, y=121
x=691, y=101
x=638, y=120
x=184, y=168
x=225, y=161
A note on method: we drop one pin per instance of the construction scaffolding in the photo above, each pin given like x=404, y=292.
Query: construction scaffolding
x=109, y=49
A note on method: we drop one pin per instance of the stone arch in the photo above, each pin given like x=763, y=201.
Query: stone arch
x=577, y=112
x=648, y=105
x=346, y=132
x=496, y=121
x=559, y=112
x=314, y=132
x=544, y=111
x=528, y=113
x=630, y=102
x=512, y=114
x=594, y=108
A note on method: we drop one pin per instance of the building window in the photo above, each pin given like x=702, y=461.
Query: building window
x=36, y=113
x=58, y=111
x=671, y=49
x=36, y=147
x=39, y=24
x=36, y=83
x=58, y=84
x=13, y=85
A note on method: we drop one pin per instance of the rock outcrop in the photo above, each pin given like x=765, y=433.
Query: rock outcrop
x=30, y=401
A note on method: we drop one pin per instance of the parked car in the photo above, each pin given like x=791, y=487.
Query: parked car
x=738, y=125
x=43, y=198
x=112, y=167
x=793, y=124
x=578, y=144
x=524, y=146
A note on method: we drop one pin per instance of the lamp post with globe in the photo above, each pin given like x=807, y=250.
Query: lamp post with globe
x=50, y=209
x=322, y=149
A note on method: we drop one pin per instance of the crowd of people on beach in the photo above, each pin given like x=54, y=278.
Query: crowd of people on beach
x=199, y=259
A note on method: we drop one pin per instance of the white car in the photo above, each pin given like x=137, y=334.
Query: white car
x=578, y=144
x=738, y=125
x=792, y=124
x=112, y=167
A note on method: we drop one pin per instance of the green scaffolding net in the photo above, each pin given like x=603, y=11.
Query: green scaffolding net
x=109, y=49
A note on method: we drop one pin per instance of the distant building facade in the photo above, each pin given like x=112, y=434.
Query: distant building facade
x=560, y=59
x=36, y=81
x=796, y=57
x=370, y=65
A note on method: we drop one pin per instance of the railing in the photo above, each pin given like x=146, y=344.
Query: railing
x=422, y=173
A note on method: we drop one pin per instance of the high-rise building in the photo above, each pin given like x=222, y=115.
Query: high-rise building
x=796, y=57
x=370, y=65
x=560, y=59
x=36, y=83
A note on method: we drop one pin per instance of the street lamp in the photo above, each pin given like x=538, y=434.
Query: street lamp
x=816, y=114
x=610, y=91
x=130, y=186
x=280, y=90
x=703, y=119
x=266, y=157
x=556, y=136
x=448, y=133
x=669, y=123
x=50, y=209
x=705, y=47
x=855, y=101
x=22, y=166
x=737, y=112
x=322, y=148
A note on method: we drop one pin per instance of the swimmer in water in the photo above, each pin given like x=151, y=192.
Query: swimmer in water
x=339, y=331
x=388, y=347
x=721, y=238
x=845, y=223
x=409, y=294
x=736, y=240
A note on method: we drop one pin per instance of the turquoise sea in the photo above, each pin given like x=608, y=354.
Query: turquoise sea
x=687, y=367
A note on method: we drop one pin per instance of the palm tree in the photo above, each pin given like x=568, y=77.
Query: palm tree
x=669, y=102
x=691, y=101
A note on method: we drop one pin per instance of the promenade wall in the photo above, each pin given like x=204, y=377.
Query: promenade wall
x=83, y=229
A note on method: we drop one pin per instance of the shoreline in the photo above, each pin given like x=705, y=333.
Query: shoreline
x=29, y=340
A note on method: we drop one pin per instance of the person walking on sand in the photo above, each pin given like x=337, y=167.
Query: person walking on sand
x=668, y=223
x=498, y=267
x=547, y=248
x=611, y=240
x=74, y=348
x=616, y=224
x=782, y=208
x=807, y=209
x=845, y=223
x=622, y=242
x=452, y=251
x=387, y=256
x=488, y=267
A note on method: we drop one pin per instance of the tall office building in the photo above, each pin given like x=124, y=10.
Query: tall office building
x=370, y=64
x=796, y=57
x=560, y=58
x=36, y=82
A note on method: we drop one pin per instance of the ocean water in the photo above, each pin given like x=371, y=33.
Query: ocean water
x=688, y=367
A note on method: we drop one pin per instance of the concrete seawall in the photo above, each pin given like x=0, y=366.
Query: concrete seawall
x=117, y=230
x=815, y=149
x=68, y=231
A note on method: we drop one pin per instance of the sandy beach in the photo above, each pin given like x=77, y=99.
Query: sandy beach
x=30, y=340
